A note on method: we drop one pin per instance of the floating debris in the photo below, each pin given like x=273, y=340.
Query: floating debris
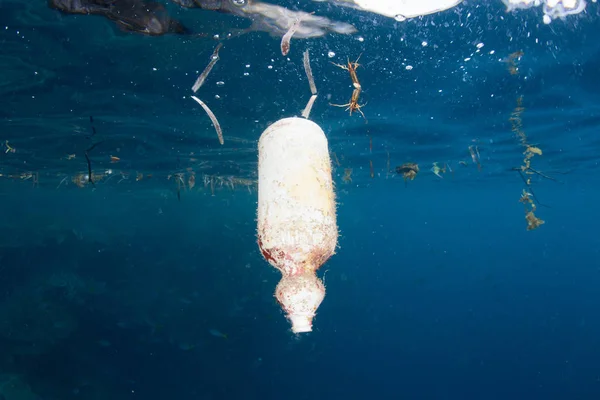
x=309, y=105
x=310, y=221
x=90, y=175
x=409, y=171
x=449, y=168
x=347, y=178
x=213, y=60
x=533, y=222
x=309, y=74
x=511, y=62
x=192, y=180
x=9, y=149
x=474, y=151
x=436, y=170
x=388, y=171
x=525, y=170
x=212, y=118
x=313, y=87
x=217, y=333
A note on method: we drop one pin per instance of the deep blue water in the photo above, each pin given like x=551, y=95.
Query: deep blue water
x=437, y=290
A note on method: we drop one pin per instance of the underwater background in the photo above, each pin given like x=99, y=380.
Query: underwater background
x=148, y=283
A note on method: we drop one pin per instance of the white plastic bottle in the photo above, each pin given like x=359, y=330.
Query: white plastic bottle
x=297, y=228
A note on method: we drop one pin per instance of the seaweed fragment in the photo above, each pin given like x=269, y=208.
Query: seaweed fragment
x=512, y=60
x=528, y=184
x=528, y=197
x=409, y=171
x=347, y=178
x=533, y=222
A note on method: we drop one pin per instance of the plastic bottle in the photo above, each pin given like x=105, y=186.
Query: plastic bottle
x=297, y=228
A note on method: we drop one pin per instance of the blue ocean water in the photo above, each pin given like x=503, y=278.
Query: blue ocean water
x=148, y=283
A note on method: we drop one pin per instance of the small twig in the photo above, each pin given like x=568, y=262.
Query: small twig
x=89, y=163
x=542, y=175
x=87, y=158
